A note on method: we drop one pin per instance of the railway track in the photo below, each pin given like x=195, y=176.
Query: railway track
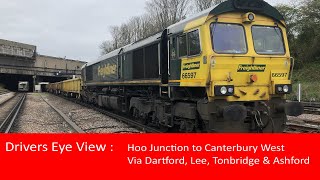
x=81, y=127
x=296, y=126
x=71, y=124
x=13, y=106
x=303, y=126
x=124, y=119
x=311, y=108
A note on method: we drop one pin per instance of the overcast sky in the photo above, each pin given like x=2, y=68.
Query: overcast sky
x=71, y=28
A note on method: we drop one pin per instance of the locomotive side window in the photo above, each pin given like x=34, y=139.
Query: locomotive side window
x=182, y=40
x=268, y=40
x=194, y=43
x=228, y=38
x=189, y=44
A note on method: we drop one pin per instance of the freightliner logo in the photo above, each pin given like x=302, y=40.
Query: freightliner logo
x=191, y=66
x=251, y=68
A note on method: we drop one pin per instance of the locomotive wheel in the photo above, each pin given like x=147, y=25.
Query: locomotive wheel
x=143, y=121
x=202, y=127
x=136, y=115
x=164, y=128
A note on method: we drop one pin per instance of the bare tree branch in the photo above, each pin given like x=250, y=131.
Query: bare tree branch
x=160, y=14
x=205, y=4
x=106, y=47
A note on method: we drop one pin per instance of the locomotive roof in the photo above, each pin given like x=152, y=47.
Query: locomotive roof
x=143, y=42
x=256, y=6
x=129, y=47
x=109, y=55
x=179, y=27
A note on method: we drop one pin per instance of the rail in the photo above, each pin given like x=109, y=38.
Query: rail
x=311, y=107
x=75, y=127
x=121, y=118
x=7, y=124
x=302, y=128
x=118, y=117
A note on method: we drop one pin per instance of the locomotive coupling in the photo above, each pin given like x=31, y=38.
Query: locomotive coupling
x=235, y=113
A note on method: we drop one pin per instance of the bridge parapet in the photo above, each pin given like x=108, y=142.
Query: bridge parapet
x=15, y=49
x=38, y=71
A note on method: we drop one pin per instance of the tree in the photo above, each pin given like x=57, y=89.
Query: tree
x=116, y=36
x=291, y=15
x=309, y=27
x=205, y=4
x=303, y=27
x=166, y=12
x=160, y=14
x=106, y=47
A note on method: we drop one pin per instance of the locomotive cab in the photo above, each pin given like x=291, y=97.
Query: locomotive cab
x=246, y=59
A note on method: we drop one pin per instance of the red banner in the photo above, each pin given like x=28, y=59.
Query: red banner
x=161, y=156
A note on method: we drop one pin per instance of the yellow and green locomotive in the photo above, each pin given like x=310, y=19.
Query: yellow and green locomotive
x=226, y=69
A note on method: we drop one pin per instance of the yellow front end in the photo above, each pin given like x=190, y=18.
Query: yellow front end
x=245, y=67
x=252, y=75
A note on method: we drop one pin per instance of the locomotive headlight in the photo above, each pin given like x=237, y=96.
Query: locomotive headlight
x=230, y=90
x=251, y=16
x=248, y=17
x=286, y=88
x=224, y=90
x=283, y=89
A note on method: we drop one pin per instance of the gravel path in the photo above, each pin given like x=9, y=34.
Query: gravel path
x=88, y=119
x=37, y=116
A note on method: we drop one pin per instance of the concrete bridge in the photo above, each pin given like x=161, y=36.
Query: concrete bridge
x=21, y=62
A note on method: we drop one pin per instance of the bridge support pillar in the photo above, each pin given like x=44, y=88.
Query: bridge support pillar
x=34, y=83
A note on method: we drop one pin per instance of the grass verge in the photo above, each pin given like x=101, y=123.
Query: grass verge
x=309, y=78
